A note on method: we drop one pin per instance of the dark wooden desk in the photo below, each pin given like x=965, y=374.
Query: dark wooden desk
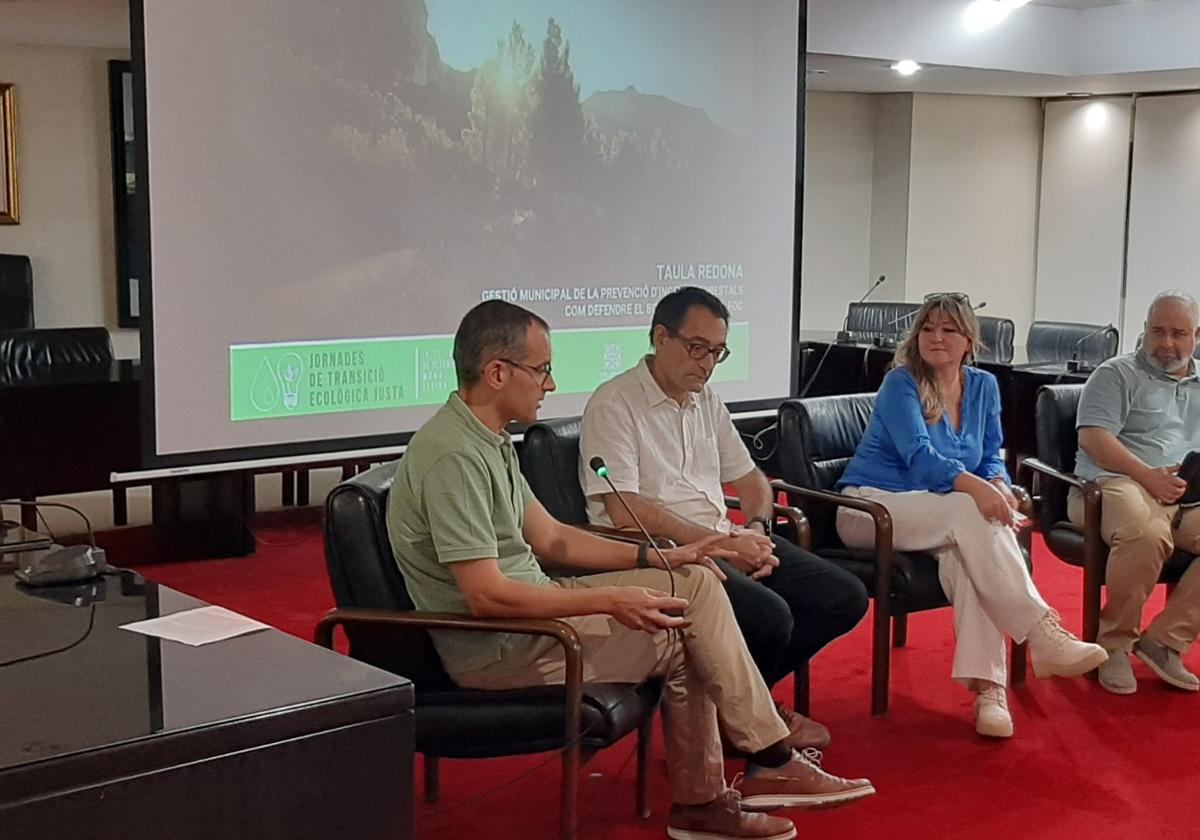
x=859, y=368
x=261, y=736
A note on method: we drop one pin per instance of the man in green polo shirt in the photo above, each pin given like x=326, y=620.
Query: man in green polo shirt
x=467, y=534
x=1138, y=417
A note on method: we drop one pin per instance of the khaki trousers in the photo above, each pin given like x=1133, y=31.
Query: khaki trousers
x=1138, y=532
x=707, y=674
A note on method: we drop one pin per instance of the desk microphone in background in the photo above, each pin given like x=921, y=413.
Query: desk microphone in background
x=57, y=563
x=1078, y=365
x=844, y=335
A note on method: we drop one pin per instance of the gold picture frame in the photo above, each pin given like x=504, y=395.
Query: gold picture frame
x=9, y=206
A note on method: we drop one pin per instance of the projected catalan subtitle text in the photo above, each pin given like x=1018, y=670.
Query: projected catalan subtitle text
x=632, y=301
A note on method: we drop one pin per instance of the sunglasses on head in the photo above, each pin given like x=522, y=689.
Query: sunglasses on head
x=940, y=297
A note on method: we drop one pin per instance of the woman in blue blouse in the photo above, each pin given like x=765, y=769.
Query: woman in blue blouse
x=931, y=456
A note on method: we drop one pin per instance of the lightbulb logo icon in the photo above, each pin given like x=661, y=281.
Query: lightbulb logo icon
x=290, y=367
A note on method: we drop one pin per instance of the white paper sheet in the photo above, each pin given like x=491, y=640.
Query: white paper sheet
x=200, y=626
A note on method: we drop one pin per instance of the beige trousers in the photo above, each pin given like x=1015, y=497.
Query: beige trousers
x=708, y=674
x=980, y=566
x=1138, y=532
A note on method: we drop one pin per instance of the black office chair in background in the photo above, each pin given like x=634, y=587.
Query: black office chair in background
x=997, y=336
x=817, y=438
x=1062, y=341
x=16, y=292
x=385, y=630
x=867, y=320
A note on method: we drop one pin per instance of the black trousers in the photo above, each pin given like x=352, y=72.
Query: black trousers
x=792, y=613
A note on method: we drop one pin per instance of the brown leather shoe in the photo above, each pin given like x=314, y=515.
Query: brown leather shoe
x=803, y=732
x=801, y=782
x=723, y=819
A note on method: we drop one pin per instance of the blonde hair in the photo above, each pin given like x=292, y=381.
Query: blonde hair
x=908, y=353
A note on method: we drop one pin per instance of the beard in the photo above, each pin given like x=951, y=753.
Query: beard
x=1172, y=364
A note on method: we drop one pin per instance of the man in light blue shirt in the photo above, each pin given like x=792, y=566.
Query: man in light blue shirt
x=1138, y=418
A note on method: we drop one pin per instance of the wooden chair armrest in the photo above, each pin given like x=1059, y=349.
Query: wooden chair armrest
x=347, y=616
x=882, y=519
x=631, y=535
x=560, y=631
x=797, y=522
x=1045, y=469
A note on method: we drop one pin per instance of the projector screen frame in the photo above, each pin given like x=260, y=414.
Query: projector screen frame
x=152, y=460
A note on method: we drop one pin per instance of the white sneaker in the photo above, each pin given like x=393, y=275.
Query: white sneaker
x=991, y=712
x=1057, y=653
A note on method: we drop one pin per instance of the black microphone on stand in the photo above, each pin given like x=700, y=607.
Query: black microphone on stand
x=1078, y=365
x=844, y=335
x=598, y=467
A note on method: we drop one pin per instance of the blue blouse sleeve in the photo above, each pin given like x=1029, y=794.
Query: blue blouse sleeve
x=898, y=407
x=991, y=465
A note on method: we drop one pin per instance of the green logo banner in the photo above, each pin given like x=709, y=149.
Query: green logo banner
x=323, y=377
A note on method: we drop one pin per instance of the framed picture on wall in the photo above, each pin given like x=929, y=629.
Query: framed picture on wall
x=9, y=208
x=130, y=247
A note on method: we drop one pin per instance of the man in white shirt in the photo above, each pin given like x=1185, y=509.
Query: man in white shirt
x=669, y=444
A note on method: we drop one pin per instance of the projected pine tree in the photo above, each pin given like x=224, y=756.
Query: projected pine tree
x=558, y=125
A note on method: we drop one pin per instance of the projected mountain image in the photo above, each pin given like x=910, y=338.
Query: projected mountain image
x=500, y=176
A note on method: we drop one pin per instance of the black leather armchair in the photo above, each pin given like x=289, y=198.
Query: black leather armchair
x=16, y=292
x=385, y=630
x=996, y=335
x=53, y=355
x=550, y=462
x=1061, y=341
x=880, y=318
x=817, y=438
x=1057, y=445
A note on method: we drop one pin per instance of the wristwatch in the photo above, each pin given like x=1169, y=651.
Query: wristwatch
x=766, y=523
x=643, y=555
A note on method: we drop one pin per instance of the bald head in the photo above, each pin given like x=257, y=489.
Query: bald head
x=1172, y=330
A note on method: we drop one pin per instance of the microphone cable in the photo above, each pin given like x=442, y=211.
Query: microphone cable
x=63, y=649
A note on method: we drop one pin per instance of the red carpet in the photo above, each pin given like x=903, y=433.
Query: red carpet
x=1083, y=763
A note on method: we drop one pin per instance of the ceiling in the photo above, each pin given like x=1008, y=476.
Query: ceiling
x=1087, y=4
x=1049, y=48
x=868, y=75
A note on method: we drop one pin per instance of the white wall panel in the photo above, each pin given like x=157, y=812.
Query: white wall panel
x=838, y=155
x=1164, y=211
x=1081, y=226
x=973, y=201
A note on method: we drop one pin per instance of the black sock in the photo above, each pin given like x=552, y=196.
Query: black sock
x=776, y=755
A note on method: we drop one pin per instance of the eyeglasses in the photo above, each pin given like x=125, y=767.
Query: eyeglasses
x=540, y=374
x=957, y=297
x=698, y=349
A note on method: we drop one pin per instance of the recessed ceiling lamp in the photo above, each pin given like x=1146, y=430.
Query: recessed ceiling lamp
x=906, y=67
x=1078, y=94
x=984, y=14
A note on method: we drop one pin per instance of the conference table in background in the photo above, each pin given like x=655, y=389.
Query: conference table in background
x=851, y=368
x=108, y=733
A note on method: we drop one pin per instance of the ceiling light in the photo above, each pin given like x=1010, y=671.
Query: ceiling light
x=984, y=14
x=1095, y=116
x=906, y=67
x=1078, y=94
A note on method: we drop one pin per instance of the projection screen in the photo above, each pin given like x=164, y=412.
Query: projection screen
x=331, y=184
